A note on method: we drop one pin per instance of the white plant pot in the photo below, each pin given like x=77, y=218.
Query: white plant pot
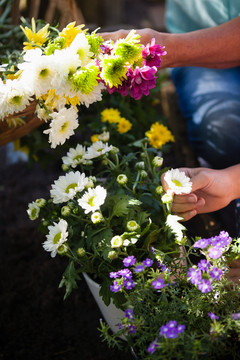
x=111, y=313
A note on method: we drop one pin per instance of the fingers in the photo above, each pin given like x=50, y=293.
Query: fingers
x=187, y=206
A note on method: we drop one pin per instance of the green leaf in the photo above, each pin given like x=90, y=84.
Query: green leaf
x=121, y=207
x=69, y=279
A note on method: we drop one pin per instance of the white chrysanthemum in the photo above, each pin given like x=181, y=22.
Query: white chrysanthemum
x=96, y=217
x=104, y=136
x=117, y=241
x=57, y=237
x=66, y=187
x=67, y=64
x=75, y=156
x=38, y=75
x=173, y=223
x=33, y=211
x=97, y=149
x=81, y=47
x=167, y=198
x=178, y=182
x=62, y=126
x=94, y=96
x=92, y=199
x=14, y=97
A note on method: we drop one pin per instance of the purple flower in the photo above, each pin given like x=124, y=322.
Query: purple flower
x=202, y=243
x=139, y=268
x=171, y=329
x=215, y=273
x=236, y=316
x=129, y=261
x=213, y=316
x=203, y=265
x=125, y=273
x=152, y=347
x=131, y=329
x=129, y=314
x=115, y=287
x=194, y=276
x=147, y=262
x=113, y=275
x=129, y=284
x=204, y=286
x=215, y=252
x=158, y=284
x=141, y=81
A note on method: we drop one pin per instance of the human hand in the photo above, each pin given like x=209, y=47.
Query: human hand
x=210, y=192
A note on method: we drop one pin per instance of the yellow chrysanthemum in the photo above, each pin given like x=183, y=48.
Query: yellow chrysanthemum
x=50, y=99
x=110, y=115
x=74, y=101
x=70, y=32
x=35, y=38
x=94, y=138
x=159, y=135
x=123, y=125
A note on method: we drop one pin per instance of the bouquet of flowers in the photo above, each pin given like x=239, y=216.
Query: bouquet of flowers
x=180, y=306
x=61, y=70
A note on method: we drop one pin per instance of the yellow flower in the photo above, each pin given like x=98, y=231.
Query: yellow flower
x=74, y=101
x=159, y=135
x=123, y=125
x=70, y=32
x=111, y=115
x=94, y=138
x=35, y=38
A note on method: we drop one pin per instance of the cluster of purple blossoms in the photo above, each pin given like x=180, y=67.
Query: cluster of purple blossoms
x=171, y=331
x=123, y=277
x=214, y=246
x=127, y=322
x=236, y=316
x=151, y=54
x=203, y=275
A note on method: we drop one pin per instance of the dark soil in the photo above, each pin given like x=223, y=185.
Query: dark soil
x=35, y=322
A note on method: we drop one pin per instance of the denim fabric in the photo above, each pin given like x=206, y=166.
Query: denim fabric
x=210, y=101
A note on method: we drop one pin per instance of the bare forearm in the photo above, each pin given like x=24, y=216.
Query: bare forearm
x=233, y=173
x=217, y=47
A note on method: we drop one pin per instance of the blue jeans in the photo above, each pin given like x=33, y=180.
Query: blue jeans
x=209, y=99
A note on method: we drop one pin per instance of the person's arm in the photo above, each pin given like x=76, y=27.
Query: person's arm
x=211, y=190
x=215, y=47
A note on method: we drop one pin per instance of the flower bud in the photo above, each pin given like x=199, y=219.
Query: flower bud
x=122, y=179
x=117, y=241
x=89, y=162
x=81, y=252
x=96, y=217
x=112, y=255
x=140, y=165
x=114, y=150
x=62, y=250
x=65, y=210
x=159, y=190
x=40, y=202
x=65, y=167
x=157, y=161
x=167, y=198
x=132, y=225
x=143, y=174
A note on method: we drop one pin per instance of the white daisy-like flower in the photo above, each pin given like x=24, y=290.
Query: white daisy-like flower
x=56, y=237
x=104, y=136
x=62, y=126
x=167, y=198
x=116, y=241
x=81, y=47
x=33, y=210
x=75, y=156
x=96, y=217
x=94, y=96
x=173, y=223
x=178, y=182
x=67, y=63
x=92, y=199
x=14, y=97
x=97, y=149
x=66, y=187
x=132, y=225
x=38, y=75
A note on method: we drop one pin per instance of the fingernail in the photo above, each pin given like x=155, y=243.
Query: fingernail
x=192, y=199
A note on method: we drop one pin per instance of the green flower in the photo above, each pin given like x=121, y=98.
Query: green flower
x=94, y=42
x=86, y=79
x=129, y=52
x=113, y=71
x=57, y=44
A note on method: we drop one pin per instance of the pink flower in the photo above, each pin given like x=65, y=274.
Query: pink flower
x=151, y=53
x=141, y=80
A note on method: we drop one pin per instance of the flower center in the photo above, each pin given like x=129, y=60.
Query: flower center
x=71, y=186
x=57, y=237
x=16, y=99
x=91, y=201
x=177, y=183
x=64, y=126
x=44, y=73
